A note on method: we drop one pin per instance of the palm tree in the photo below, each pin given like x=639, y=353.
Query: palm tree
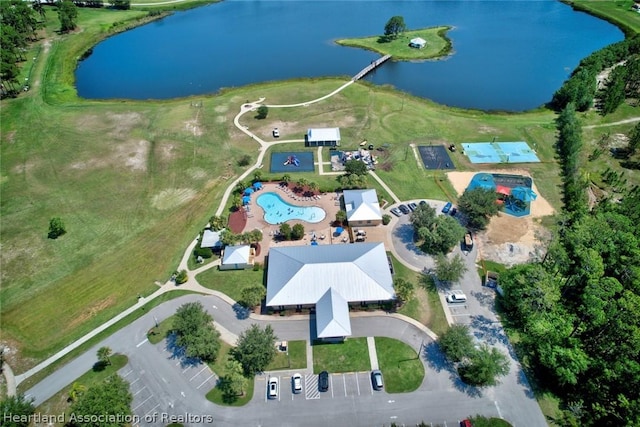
x=76, y=390
x=286, y=178
x=104, y=355
x=313, y=186
x=257, y=176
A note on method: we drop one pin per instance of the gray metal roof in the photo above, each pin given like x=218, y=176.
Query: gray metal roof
x=332, y=315
x=362, y=205
x=236, y=254
x=303, y=274
x=211, y=239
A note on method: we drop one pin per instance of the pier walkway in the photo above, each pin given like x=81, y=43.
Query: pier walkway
x=370, y=67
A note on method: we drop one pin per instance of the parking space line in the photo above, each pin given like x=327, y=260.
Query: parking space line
x=143, y=402
x=358, y=383
x=143, y=387
x=142, y=342
x=331, y=379
x=344, y=382
x=134, y=381
x=199, y=372
x=203, y=382
x=152, y=409
x=124, y=375
x=186, y=369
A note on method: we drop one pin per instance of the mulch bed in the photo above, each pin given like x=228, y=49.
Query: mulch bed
x=237, y=221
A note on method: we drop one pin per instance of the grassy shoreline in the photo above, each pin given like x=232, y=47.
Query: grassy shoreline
x=438, y=44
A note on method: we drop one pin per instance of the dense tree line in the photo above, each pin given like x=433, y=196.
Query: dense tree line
x=577, y=310
x=581, y=87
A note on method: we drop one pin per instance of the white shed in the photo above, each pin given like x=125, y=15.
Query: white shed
x=237, y=258
x=418, y=43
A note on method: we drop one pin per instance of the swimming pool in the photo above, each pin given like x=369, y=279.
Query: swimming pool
x=277, y=211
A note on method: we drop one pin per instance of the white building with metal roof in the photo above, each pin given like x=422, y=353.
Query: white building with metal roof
x=362, y=207
x=321, y=137
x=329, y=277
x=237, y=257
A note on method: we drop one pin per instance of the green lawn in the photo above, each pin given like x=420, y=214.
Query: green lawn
x=438, y=44
x=402, y=370
x=295, y=359
x=230, y=282
x=214, y=395
x=60, y=403
x=352, y=355
x=159, y=333
x=617, y=11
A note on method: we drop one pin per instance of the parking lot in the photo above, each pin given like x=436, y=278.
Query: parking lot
x=340, y=386
x=159, y=389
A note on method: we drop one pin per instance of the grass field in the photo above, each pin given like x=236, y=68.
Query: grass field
x=230, y=282
x=135, y=181
x=402, y=369
x=296, y=358
x=438, y=44
x=352, y=355
x=215, y=395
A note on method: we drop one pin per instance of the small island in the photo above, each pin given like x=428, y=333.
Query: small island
x=421, y=44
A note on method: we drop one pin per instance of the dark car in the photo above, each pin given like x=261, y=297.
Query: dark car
x=446, y=208
x=323, y=381
x=404, y=209
x=396, y=212
x=413, y=206
x=453, y=212
x=376, y=380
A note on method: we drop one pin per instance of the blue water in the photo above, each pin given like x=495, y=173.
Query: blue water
x=509, y=55
x=277, y=211
x=500, y=152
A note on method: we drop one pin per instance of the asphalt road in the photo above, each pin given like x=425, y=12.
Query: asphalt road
x=168, y=388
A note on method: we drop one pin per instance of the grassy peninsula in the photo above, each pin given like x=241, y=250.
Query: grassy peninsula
x=438, y=44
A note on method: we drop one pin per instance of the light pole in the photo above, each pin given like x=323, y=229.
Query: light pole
x=156, y=320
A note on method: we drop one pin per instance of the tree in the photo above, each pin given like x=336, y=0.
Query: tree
x=456, y=343
x=285, y=231
x=110, y=398
x=442, y=236
x=394, y=27
x=634, y=140
x=341, y=217
x=76, y=391
x=450, y=270
x=67, y=14
x=181, y=277
x=386, y=219
x=255, y=349
x=478, y=205
x=263, y=111
x=257, y=176
x=20, y=408
x=56, y=228
x=233, y=382
x=484, y=366
x=217, y=222
x=297, y=232
x=120, y=4
x=404, y=290
x=195, y=332
x=355, y=167
x=252, y=295
x=104, y=356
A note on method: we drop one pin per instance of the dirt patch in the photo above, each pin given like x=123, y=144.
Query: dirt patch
x=123, y=123
x=172, y=197
x=197, y=173
x=133, y=154
x=25, y=167
x=10, y=136
x=221, y=109
x=487, y=129
x=193, y=127
x=167, y=151
x=90, y=312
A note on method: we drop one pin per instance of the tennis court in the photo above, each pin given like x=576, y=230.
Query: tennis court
x=435, y=157
x=499, y=152
x=292, y=161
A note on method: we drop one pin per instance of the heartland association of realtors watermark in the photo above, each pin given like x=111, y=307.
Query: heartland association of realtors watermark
x=156, y=417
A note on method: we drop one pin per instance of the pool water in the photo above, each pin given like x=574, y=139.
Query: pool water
x=277, y=211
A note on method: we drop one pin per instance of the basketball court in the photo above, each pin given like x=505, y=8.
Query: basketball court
x=435, y=157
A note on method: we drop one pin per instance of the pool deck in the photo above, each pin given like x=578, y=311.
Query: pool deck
x=327, y=201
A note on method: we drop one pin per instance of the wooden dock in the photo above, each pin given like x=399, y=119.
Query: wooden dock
x=370, y=67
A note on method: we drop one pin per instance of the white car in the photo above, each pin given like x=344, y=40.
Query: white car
x=273, y=388
x=297, y=383
x=456, y=297
x=276, y=133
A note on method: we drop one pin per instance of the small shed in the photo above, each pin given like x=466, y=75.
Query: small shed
x=417, y=43
x=211, y=239
x=322, y=137
x=237, y=257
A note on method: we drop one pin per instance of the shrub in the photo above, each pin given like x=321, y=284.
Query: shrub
x=297, y=232
x=386, y=219
x=56, y=228
x=181, y=277
x=244, y=160
x=203, y=252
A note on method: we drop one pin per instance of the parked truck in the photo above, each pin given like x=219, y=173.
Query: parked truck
x=468, y=241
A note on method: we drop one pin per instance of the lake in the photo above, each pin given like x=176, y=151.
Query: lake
x=508, y=55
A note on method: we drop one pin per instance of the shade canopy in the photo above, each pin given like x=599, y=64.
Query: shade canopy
x=246, y=200
x=257, y=185
x=248, y=191
x=339, y=230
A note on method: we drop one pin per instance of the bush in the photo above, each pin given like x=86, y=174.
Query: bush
x=297, y=232
x=263, y=111
x=56, y=228
x=285, y=231
x=205, y=253
x=244, y=160
x=386, y=219
x=181, y=277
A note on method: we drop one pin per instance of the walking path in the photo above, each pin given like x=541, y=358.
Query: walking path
x=395, y=198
